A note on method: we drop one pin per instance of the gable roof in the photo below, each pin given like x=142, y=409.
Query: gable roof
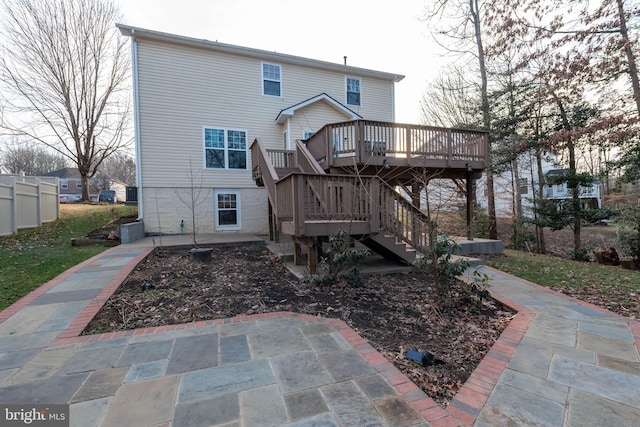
x=64, y=173
x=323, y=97
x=141, y=33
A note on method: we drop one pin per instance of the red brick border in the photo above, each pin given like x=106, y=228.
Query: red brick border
x=464, y=407
x=462, y=410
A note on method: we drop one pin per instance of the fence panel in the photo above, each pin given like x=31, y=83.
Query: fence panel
x=27, y=202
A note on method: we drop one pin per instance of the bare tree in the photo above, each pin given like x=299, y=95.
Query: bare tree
x=120, y=167
x=463, y=30
x=192, y=197
x=64, y=75
x=32, y=160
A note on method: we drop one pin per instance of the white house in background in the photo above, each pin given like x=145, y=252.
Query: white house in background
x=198, y=106
x=527, y=182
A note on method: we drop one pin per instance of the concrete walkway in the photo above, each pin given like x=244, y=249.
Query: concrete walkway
x=560, y=362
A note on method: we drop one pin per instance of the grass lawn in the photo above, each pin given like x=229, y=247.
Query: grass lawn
x=34, y=256
x=613, y=288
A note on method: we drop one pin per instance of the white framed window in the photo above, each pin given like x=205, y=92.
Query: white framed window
x=353, y=91
x=78, y=184
x=271, y=79
x=225, y=148
x=306, y=134
x=226, y=209
x=64, y=185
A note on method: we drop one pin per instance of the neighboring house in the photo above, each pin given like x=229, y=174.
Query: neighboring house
x=527, y=183
x=71, y=182
x=589, y=194
x=4, y=170
x=213, y=120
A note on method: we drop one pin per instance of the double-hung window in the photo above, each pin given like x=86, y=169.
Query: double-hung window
x=225, y=148
x=271, y=80
x=227, y=209
x=353, y=91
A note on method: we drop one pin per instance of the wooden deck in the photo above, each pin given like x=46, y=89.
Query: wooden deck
x=314, y=191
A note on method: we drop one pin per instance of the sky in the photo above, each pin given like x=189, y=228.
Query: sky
x=383, y=35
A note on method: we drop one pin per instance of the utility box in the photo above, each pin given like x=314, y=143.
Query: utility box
x=132, y=194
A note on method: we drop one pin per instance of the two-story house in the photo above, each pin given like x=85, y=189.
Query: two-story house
x=212, y=120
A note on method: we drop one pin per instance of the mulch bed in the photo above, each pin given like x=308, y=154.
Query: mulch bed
x=395, y=313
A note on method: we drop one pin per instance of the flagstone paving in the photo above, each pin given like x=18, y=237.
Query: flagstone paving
x=561, y=362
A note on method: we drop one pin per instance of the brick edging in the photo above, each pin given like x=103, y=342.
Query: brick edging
x=462, y=410
x=27, y=299
x=78, y=324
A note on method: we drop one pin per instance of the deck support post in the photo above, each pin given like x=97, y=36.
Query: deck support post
x=469, y=202
x=313, y=252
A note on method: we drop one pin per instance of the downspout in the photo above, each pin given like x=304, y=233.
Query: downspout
x=136, y=120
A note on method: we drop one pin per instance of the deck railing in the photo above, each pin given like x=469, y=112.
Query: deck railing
x=364, y=139
x=303, y=198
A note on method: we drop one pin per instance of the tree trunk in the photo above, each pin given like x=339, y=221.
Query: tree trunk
x=85, y=188
x=541, y=244
x=474, y=8
x=572, y=182
x=517, y=202
x=631, y=59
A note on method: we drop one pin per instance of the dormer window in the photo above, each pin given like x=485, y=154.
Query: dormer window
x=353, y=91
x=271, y=80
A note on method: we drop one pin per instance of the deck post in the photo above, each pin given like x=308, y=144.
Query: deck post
x=469, y=202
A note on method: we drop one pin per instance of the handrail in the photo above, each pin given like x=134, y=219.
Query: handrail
x=366, y=139
x=263, y=169
x=306, y=162
x=306, y=197
x=315, y=196
x=407, y=222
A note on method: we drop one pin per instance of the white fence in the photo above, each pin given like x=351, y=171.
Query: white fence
x=27, y=202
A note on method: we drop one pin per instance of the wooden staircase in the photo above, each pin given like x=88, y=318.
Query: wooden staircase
x=312, y=197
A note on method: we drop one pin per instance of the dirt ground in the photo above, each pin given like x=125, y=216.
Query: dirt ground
x=395, y=313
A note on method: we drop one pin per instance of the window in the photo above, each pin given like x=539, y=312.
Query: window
x=78, y=184
x=271, y=80
x=64, y=184
x=306, y=134
x=227, y=209
x=524, y=185
x=225, y=148
x=353, y=91
x=559, y=189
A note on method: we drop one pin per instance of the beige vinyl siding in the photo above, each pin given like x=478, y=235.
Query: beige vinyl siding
x=183, y=89
x=313, y=118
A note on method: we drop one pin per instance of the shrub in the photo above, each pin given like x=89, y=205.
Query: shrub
x=629, y=232
x=340, y=258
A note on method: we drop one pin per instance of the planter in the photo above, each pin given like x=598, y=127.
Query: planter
x=201, y=254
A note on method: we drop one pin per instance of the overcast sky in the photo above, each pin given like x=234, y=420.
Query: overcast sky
x=384, y=35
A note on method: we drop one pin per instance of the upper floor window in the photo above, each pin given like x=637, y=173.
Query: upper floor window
x=353, y=91
x=64, y=185
x=271, y=79
x=225, y=148
x=78, y=184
